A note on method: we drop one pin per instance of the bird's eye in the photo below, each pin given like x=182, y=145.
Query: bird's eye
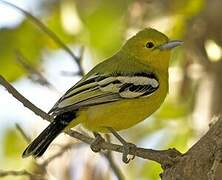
x=149, y=45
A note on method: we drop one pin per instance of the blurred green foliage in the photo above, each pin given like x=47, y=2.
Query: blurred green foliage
x=105, y=24
x=12, y=146
x=22, y=38
x=12, y=143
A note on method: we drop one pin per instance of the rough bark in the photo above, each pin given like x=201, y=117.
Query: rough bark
x=197, y=163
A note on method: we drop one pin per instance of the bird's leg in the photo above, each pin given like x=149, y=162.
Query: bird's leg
x=95, y=145
x=127, y=147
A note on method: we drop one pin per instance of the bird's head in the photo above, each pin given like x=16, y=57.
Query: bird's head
x=151, y=48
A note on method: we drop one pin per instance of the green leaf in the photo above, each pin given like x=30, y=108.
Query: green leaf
x=151, y=170
x=13, y=144
x=172, y=110
x=105, y=22
x=27, y=39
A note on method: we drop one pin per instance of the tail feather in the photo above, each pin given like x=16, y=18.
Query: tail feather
x=41, y=143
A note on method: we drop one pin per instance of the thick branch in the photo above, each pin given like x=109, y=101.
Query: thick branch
x=202, y=158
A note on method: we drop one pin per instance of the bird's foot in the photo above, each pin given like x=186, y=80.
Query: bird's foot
x=128, y=148
x=95, y=145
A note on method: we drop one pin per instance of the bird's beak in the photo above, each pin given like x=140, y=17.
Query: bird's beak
x=170, y=45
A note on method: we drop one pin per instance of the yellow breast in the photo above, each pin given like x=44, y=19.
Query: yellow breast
x=123, y=114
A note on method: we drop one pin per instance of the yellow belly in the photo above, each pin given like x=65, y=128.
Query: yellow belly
x=121, y=114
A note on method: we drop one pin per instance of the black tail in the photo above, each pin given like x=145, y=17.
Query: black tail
x=41, y=143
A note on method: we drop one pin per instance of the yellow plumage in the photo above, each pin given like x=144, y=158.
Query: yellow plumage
x=128, y=112
x=118, y=93
x=122, y=114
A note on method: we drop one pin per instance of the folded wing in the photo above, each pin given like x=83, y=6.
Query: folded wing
x=101, y=88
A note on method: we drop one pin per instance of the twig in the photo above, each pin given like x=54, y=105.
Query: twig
x=108, y=155
x=4, y=173
x=43, y=166
x=18, y=127
x=23, y=100
x=80, y=58
x=68, y=73
x=50, y=33
x=81, y=53
x=164, y=157
x=116, y=170
x=46, y=162
x=38, y=77
x=60, y=153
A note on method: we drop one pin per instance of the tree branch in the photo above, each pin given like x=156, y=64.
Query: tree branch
x=164, y=157
x=80, y=58
x=36, y=75
x=115, y=168
x=50, y=33
x=23, y=100
x=217, y=160
x=201, y=160
x=60, y=153
x=4, y=173
x=27, y=139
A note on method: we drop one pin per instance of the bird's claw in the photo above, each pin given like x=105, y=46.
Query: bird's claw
x=96, y=144
x=127, y=148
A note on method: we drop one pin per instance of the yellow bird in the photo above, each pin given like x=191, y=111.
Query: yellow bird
x=116, y=94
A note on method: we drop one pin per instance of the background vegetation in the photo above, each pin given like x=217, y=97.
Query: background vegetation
x=43, y=71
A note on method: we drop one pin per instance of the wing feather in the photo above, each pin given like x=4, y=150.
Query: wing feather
x=100, y=89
